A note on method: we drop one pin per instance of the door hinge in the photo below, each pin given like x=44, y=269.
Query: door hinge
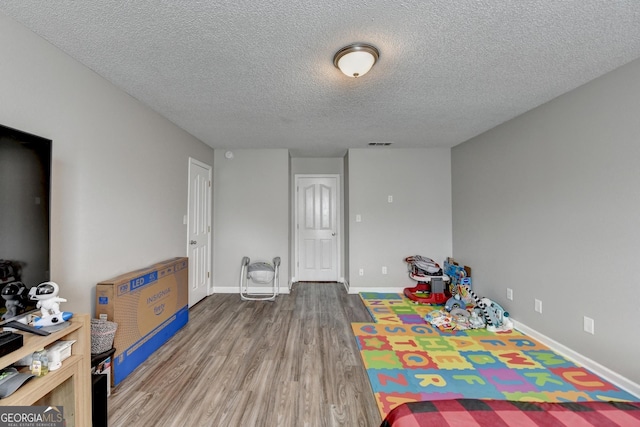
x=209, y=183
x=209, y=228
x=208, y=274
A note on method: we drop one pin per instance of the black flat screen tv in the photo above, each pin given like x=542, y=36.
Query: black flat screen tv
x=25, y=189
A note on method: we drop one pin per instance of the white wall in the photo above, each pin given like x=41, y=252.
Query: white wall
x=548, y=204
x=317, y=165
x=251, y=213
x=120, y=171
x=417, y=222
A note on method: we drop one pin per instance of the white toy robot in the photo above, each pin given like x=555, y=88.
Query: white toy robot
x=47, y=296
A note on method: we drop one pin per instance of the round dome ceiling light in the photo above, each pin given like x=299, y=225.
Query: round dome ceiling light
x=356, y=59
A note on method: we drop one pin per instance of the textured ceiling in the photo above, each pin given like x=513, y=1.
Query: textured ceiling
x=259, y=74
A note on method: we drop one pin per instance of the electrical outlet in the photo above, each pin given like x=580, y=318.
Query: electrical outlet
x=384, y=270
x=538, y=306
x=510, y=294
x=589, y=325
x=361, y=272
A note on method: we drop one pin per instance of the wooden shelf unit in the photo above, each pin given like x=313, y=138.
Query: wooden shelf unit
x=70, y=385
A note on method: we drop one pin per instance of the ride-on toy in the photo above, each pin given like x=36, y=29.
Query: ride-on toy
x=432, y=287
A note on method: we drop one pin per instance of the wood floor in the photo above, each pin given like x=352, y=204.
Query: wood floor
x=293, y=362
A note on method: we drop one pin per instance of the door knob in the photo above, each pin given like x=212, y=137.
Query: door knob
x=333, y=234
x=192, y=242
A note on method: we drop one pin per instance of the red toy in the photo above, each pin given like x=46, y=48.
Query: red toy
x=432, y=287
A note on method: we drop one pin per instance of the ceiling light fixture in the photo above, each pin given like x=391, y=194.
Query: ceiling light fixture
x=356, y=59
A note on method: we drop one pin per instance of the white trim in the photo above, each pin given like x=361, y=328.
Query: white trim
x=385, y=290
x=578, y=358
x=235, y=290
x=193, y=161
x=345, y=283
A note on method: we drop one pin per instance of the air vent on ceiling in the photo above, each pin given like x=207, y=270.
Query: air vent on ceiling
x=380, y=144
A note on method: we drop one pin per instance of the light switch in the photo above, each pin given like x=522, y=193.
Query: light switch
x=358, y=218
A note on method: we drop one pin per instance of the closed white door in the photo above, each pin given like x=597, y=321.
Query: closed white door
x=199, y=230
x=317, y=228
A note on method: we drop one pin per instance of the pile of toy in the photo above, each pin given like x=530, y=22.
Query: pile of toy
x=463, y=309
x=466, y=311
x=458, y=320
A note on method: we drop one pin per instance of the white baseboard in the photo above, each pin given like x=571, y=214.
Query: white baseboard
x=592, y=365
x=345, y=283
x=236, y=290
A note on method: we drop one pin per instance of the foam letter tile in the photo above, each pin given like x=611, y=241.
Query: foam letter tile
x=390, y=380
x=423, y=330
x=434, y=344
x=381, y=359
x=377, y=342
x=392, y=330
x=483, y=359
x=465, y=344
x=388, y=401
x=411, y=319
x=517, y=360
x=403, y=342
x=416, y=360
x=426, y=380
x=545, y=380
x=550, y=359
x=360, y=329
x=526, y=344
x=450, y=360
x=583, y=379
x=507, y=380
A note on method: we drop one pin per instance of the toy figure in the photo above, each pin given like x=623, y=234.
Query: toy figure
x=496, y=317
x=47, y=296
x=14, y=294
x=48, y=302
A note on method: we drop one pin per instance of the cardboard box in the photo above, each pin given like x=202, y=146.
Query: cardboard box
x=149, y=305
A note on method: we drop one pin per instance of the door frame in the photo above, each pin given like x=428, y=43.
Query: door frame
x=187, y=222
x=296, y=223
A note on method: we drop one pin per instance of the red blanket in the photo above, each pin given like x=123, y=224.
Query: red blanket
x=497, y=413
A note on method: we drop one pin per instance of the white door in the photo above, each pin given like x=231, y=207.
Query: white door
x=317, y=228
x=199, y=230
